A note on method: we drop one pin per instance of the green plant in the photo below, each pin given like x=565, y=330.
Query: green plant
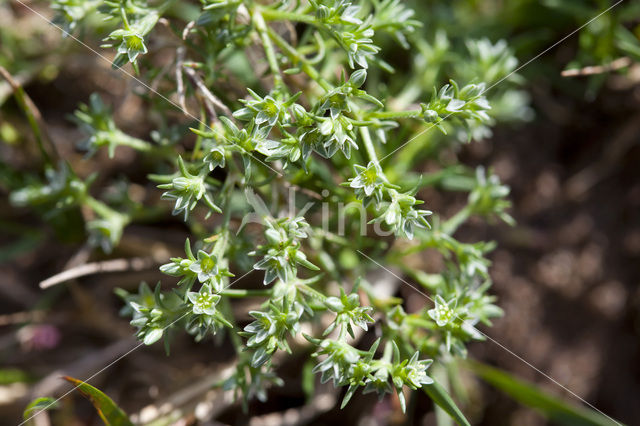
x=313, y=120
x=324, y=122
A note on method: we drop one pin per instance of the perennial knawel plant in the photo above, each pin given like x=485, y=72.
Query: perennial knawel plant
x=316, y=109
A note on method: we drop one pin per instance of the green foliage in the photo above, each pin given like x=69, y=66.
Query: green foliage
x=305, y=104
x=108, y=411
x=37, y=406
x=550, y=406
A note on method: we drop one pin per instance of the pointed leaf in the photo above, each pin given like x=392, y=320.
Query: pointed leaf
x=440, y=396
x=108, y=411
x=552, y=407
x=39, y=405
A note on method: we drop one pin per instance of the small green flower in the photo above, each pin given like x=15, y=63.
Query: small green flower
x=269, y=109
x=401, y=215
x=187, y=190
x=132, y=45
x=368, y=181
x=268, y=332
x=489, y=196
x=339, y=136
x=339, y=362
x=443, y=312
x=466, y=104
x=348, y=310
x=179, y=267
x=414, y=372
x=206, y=267
x=215, y=158
x=203, y=301
x=282, y=254
x=107, y=231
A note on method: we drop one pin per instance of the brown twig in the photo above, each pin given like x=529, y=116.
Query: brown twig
x=211, y=101
x=21, y=317
x=114, y=265
x=180, y=80
x=206, y=93
x=187, y=28
x=598, y=69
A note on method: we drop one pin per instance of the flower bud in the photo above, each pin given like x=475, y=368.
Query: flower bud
x=357, y=78
x=430, y=116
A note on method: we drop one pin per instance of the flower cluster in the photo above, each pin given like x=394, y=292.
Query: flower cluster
x=153, y=312
x=62, y=189
x=277, y=118
x=205, y=318
x=206, y=268
x=489, y=196
x=349, y=312
x=187, y=190
x=96, y=120
x=268, y=332
x=339, y=18
x=137, y=19
x=466, y=104
x=282, y=254
x=348, y=366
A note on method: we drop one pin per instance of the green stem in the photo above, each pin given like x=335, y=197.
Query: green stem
x=140, y=145
x=454, y=222
x=241, y=293
x=297, y=59
x=100, y=208
x=281, y=15
x=135, y=143
x=311, y=291
x=123, y=16
x=236, y=340
x=415, y=113
x=29, y=109
x=202, y=127
x=368, y=144
x=269, y=51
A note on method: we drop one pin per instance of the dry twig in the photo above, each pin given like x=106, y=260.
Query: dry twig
x=114, y=265
x=598, y=69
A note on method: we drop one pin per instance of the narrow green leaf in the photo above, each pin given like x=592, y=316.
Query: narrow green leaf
x=440, y=397
x=308, y=380
x=550, y=406
x=439, y=374
x=108, y=411
x=38, y=405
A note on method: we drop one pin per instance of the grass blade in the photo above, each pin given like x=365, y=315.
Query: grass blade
x=109, y=412
x=440, y=397
x=550, y=406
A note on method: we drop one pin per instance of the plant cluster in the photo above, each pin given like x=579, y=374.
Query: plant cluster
x=301, y=98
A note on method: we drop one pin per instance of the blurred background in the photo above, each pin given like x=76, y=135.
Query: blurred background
x=567, y=276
